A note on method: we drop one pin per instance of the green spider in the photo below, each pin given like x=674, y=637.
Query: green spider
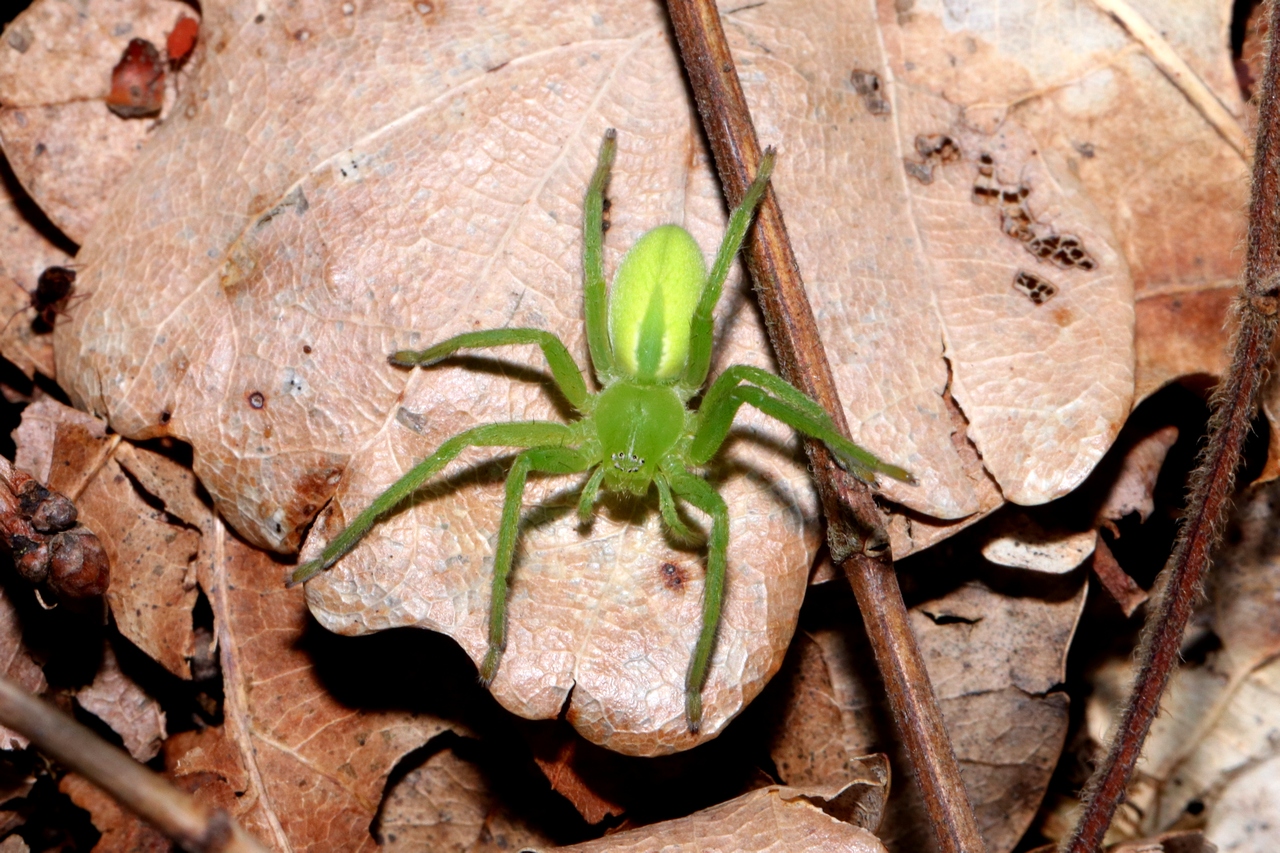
x=650, y=344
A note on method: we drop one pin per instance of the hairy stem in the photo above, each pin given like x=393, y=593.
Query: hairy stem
x=1234, y=403
x=855, y=527
x=173, y=812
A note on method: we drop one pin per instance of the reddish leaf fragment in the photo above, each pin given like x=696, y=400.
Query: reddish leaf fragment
x=181, y=40
x=557, y=757
x=121, y=829
x=1115, y=580
x=137, y=82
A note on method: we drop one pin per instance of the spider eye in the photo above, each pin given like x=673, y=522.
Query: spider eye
x=628, y=463
x=651, y=305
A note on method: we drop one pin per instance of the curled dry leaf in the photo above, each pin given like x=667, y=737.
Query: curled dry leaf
x=1123, y=588
x=816, y=741
x=995, y=658
x=1211, y=758
x=775, y=819
x=556, y=752
x=16, y=664
x=56, y=65
x=153, y=553
x=264, y=346
x=118, y=701
x=1133, y=487
x=122, y=830
x=292, y=763
x=1018, y=540
x=445, y=806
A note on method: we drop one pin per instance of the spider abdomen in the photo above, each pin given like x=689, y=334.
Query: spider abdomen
x=651, y=305
x=637, y=425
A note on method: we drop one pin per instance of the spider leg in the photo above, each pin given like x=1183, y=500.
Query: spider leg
x=595, y=300
x=511, y=434
x=667, y=505
x=552, y=460
x=777, y=398
x=590, y=492
x=564, y=369
x=702, y=329
x=699, y=492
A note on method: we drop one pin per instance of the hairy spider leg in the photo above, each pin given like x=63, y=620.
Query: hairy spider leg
x=510, y=434
x=564, y=370
x=667, y=506
x=590, y=493
x=703, y=324
x=777, y=398
x=699, y=492
x=595, y=298
x=549, y=460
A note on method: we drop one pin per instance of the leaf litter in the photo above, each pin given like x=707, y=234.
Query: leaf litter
x=1058, y=191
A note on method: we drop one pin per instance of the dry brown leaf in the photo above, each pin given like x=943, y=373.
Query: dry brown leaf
x=16, y=664
x=14, y=844
x=445, y=806
x=1132, y=489
x=994, y=659
x=297, y=767
x=775, y=819
x=118, y=701
x=1172, y=187
x=1166, y=842
x=555, y=752
x=153, y=556
x=813, y=737
x=20, y=343
x=1212, y=754
x=122, y=831
x=25, y=252
x=1018, y=540
x=56, y=61
x=277, y=422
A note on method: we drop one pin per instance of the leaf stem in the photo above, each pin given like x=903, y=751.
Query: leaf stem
x=856, y=533
x=1234, y=403
x=173, y=812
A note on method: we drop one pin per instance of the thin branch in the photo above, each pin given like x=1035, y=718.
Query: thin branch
x=173, y=812
x=855, y=526
x=1234, y=403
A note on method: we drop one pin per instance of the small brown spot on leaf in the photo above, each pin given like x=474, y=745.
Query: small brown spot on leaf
x=306, y=348
x=867, y=84
x=257, y=400
x=673, y=577
x=934, y=150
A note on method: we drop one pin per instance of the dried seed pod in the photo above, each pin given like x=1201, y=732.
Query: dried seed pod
x=50, y=512
x=78, y=566
x=30, y=557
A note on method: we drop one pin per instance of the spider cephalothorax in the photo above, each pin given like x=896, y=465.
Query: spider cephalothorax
x=650, y=344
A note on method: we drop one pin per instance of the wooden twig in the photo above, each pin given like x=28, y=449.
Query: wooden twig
x=855, y=528
x=173, y=812
x=1234, y=404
